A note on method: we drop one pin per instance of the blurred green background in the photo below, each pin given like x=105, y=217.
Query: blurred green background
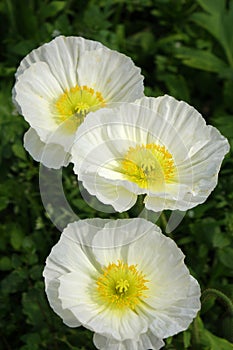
x=185, y=49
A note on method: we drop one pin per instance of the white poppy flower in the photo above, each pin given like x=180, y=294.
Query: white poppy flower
x=159, y=147
x=122, y=279
x=60, y=82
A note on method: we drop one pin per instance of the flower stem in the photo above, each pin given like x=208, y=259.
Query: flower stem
x=195, y=334
x=65, y=341
x=124, y=215
x=164, y=223
x=140, y=202
x=219, y=295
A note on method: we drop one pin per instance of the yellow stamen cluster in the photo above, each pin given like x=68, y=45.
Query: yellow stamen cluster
x=121, y=286
x=77, y=102
x=149, y=166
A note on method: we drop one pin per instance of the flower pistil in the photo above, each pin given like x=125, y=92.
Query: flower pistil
x=78, y=101
x=121, y=286
x=149, y=165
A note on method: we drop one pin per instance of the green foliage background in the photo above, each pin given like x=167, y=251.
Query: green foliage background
x=185, y=49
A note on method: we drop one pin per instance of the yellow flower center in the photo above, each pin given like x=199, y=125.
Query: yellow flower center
x=149, y=166
x=121, y=286
x=76, y=103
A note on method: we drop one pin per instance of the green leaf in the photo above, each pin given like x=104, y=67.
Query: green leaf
x=19, y=151
x=5, y=263
x=52, y=9
x=225, y=124
x=220, y=240
x=3, y=202
x=187, y=339
x=17, y=237
x=213, y=342
x=213, y=6
x=210, y=341
x=177, y=86
x=200, y=59
x=218, y=22
x=32, y=341
x=208, y=304
x=226, y=257
x=35, y=305
x=227, y=326
x=22, y=47
x=14, y=282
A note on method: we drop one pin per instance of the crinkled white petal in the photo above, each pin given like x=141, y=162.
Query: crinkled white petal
x=146, y=341
x=69, y=253
x=75, y=294
x=67, y=316
x=162, y=254
x=116, y=129
x=179, y=314
x=173, y=299
x=52, y=294
x=185, y=119
x=76, y=261
x=204, y=144
x=115, y=239
x=109, y=192
x=181, y=199
x=197, y=150
x=62, y=55
x=35, y=91
x=51, y=155
x=111, y=73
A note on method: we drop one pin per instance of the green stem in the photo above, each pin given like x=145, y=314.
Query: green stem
x=229, y=55
x=10, y=11
x=163, y=220
x=124, y=215
x=65, y=341
x=195, y=335
x=140, y=203
x=219, y=295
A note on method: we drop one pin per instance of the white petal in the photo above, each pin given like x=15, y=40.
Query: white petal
x=111, y=73
x=178, y=316
x=146, y=341
x=72, y=251
x=109, y=193
x=203, y=143
x=62, y=55
x=77, y=293
x=71, y=255
x=177, y=196
x=173, y=298
x=183, y=117
x=129, y=325
x=158, y=247
x=112, y=242
x=36, y=90
x=51, y=155
x=75, y=288
x=67, y=316
x=127, y=123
